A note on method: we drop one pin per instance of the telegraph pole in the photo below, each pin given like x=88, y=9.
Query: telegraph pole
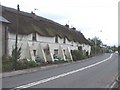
x=95, y=44
x=16, y=41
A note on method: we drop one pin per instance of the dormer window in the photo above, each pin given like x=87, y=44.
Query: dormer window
x=56, y=39
x=34, y=37
x=64, y=40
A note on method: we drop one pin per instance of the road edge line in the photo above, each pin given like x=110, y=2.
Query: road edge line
x=61, y=75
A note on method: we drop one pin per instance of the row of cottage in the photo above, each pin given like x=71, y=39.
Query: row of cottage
x=38, y=37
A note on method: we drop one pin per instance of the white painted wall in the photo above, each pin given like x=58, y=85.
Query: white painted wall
x=0, y=51
x=87, y=48
x=25, y=40
x=1, y=55
x=0, y=41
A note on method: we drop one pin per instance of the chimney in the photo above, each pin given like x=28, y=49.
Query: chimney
x=18, y=8
x=74, y=28
x=32, y=13
x=67, y=25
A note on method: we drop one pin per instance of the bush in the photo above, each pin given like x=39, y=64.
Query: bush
x=43, y=63
x=32, y=64
x=18, y=53
x=24, y=64
x=77, y=55
x=7, y=64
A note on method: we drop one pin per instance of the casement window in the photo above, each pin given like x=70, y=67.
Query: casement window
x=64, y=50
x=34, y=37
x=56, y=39
x=55, y=51
x=80, y=48
x=34, y=52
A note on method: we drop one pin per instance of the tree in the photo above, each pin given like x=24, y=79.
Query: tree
x=119, y=50
x=96, y=44
x=15, y=58
x=18, y=53
x=114, y=48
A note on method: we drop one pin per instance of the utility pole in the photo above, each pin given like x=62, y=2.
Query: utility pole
x=95, y=44
x=16, y=41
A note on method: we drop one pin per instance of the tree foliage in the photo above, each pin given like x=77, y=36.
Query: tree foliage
x=114, y=48
x=17, y=53
x=119, y=49
x=77, y=55
x=96, y=44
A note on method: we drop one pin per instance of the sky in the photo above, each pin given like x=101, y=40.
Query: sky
x=92, y=17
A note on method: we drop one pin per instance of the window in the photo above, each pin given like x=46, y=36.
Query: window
x=55, y=51
x=83, y=45
x=64, y=50
x=64, y=40
x=80, y=48
x=56, y=39
x=34, y=37
x=34, y=52
x=72, y=43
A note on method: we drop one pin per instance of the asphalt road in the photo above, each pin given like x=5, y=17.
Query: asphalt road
x=95, y=72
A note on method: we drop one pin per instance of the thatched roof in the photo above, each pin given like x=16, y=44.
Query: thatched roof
x=29, y=23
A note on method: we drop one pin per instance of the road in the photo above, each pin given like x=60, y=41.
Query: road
x=95, y=72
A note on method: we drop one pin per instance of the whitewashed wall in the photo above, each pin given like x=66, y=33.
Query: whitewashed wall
x=26, y=40
x=86, y=48
x=0, y=41
x=22, y=42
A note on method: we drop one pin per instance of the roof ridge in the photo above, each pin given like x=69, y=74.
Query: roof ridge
x=36, y=17
x=43, y=26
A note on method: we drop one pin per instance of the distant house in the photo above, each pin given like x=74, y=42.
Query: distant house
x=40, y=38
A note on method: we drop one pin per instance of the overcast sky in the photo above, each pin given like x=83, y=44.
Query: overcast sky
x=91, y=17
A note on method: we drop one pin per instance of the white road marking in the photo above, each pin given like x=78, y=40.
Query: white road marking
x=61, y=75
x=113, y=85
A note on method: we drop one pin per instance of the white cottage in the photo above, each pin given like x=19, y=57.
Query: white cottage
x=40, y=38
